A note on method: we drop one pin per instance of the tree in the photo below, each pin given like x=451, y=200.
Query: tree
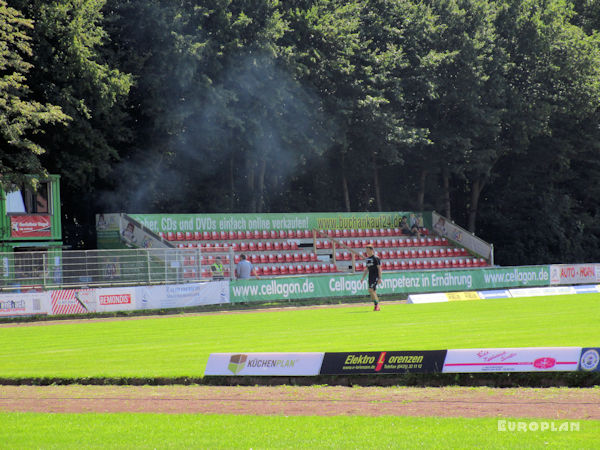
x=21, y=117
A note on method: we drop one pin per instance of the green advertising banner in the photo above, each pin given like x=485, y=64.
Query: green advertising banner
x=347, y=285
x=287, y=221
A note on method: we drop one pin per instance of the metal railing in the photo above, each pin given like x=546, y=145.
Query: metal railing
x=87, y=268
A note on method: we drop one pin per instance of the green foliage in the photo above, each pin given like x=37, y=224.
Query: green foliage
x=21, y=117
x=262, y=105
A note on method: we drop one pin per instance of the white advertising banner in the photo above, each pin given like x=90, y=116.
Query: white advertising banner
x=182, y=295
x=450, y=230
x=542, y=291
x=115, y=299
x=26, y=304
x=497, y=293
x=266, y=364
x=427, y=298
x=533, y=359
x=73, y=301
x=574, y=273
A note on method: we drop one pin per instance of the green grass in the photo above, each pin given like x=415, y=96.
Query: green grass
x=180, y=345
x=31, y=430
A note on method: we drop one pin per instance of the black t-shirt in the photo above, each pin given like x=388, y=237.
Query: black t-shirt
x=373, y=264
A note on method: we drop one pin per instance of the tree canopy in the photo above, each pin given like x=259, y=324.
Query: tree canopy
x=484, y=110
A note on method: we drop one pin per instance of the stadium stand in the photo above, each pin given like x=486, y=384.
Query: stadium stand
x=300, y=252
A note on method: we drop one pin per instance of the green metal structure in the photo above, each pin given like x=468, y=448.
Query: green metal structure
x=30, y=231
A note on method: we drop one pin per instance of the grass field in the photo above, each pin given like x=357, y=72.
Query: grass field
x=180, y=345
x=255, y=432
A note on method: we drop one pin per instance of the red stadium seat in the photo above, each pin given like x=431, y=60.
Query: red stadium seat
x=332, y=268
x=266, y=270
x=292, y=270
x=316, y=268
x=361, y=233
x=385, y=254
x=251, y=246
x=297, y=257
x=268, y=246
x=403, y=265
x=282, y=234
x=387, y=265
x=324, y=268
x=291, y=234
x=258, y=270
x=353, y=233
x=299, y=269
x=392, y=254
x=308, y=268
x=411, y=265
x=396, y=265
x=283, y=270
x=426, y=264
x=402, y=242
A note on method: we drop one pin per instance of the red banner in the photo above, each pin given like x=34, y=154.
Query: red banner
x=30, y=226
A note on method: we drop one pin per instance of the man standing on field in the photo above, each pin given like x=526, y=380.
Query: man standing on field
x=373, y=267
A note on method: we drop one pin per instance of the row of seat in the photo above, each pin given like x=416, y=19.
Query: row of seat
x=296, y=269
x=449, y=263
x=388, y=243
x=292, y=245
x=407, y=254
x=278, y=234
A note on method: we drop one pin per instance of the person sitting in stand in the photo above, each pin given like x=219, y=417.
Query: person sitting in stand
x=217, y=269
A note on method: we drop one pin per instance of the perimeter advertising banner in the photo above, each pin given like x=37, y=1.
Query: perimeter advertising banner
x=574, y=273
x=30, y=225
x=393, y=283
x=534, y=359
x=182, y=295
x=590, y=359
x=27, y=304
x=427, y=361
x=264, y=364
x=287, y=221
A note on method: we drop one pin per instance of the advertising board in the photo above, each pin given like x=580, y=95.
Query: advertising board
x=407, y=282
x=263, y=364
x=73, y=301
x=534, y=359
x=343, y=363
x=24, y=304
x=574, y=273
x=182, y=295
x=589, y=360
x=30, y=225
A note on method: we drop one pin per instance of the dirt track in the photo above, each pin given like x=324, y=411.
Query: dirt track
x=550, y=403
